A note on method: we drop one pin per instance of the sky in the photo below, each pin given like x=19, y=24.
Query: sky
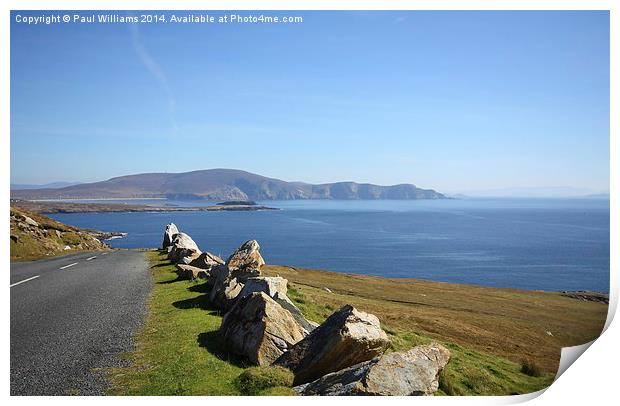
x=454, y=101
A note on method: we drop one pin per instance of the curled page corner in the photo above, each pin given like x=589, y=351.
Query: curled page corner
x=569, y=355
x=526, y=397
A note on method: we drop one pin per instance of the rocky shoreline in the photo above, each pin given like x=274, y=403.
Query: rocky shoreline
x=346, y=355
x=587, y=296
x=49, y=207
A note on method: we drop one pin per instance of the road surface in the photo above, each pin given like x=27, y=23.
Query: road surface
x=71, y=316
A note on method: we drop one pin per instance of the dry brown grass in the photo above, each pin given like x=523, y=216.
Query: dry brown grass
x=513, y=324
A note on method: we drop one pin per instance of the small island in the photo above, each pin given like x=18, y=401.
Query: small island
x=237, y=203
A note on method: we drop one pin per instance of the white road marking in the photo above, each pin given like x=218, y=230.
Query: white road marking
x=104, y=253
x=25, y=280
x=67, y=266
x=88, y=259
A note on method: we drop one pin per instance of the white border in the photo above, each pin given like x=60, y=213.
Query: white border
x=593, y=378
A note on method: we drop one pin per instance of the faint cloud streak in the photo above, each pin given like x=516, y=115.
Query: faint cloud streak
x=153, y=67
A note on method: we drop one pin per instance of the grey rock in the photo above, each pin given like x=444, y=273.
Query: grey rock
x=184, y=249
x=270, y=285
x=224, y=287
x=218, y=276
x=169, y=232
x=260, y=329
x=191, y=272
x=226, y=297
x=415, y=372
x=228, y=280
x=276, y=288
x=30, y=222
x=206, y=260
x=346, y=338
x=286, y=303
x=189, y=258
x=247, y=256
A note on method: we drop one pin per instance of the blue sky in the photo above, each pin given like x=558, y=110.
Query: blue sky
x=454, y=101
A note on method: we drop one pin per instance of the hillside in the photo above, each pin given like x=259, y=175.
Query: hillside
x=223, y=184
x=34, y=236
x=512, y=324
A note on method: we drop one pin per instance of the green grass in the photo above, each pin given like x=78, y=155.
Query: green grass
x=269, y=380
x=475, y=373
x=311, y=311
x=71, y=238
x=530, y=368
x=178, y=350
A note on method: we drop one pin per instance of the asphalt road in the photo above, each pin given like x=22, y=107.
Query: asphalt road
x=72, y=316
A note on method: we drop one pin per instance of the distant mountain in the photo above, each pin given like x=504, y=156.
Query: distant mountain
x=598, y=196
x=534, y=192
x=223, y=184
x=53, y=185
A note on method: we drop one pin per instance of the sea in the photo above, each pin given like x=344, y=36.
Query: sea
x=537, y=244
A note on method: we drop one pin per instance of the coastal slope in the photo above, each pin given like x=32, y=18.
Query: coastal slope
x=224, y=184
x=490, y=332
x=34, y=236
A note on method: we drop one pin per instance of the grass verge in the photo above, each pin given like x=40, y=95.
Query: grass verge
x=179, y=351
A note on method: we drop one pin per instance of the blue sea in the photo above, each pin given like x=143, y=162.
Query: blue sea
x=541, y=244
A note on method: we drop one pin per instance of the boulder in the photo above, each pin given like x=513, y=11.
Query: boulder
x=206, y=260
x=244, y=273
x=169, y=232
x=346, y=338
x=272, y=286
x=191, y=272
x=260, y=329
x=224, y=287
x=191, y=256
x=184, y=249
x=276, y=288
x=287, y=304
x=226, y=297
x=228, y=280
x=415, y=372
x=246, y=257
x=218, y=275
x=30, y=222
